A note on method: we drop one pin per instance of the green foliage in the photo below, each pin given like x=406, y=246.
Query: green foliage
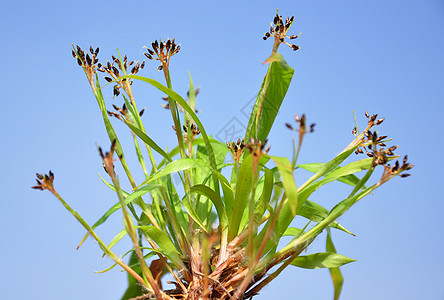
x=220, y=236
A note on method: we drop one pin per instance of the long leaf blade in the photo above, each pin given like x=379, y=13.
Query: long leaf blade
x=321, y=260
x=270, y=97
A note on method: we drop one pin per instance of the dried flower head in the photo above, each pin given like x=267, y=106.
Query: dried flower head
x=237, y=149
x=123, y=66
x=162, y=51
x=191, y=127
x=88, y=62
x=257, y=148
x=395, y=170
x=45, y=182
x=278, y=30
x=108, y=161
x=301, y=121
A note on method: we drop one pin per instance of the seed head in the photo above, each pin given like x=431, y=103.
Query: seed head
x=45, y=182
x=279, y=30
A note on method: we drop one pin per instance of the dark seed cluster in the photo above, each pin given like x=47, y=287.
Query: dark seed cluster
x=114, y=72
x=162, y=51
x=279, y=30
x=257, y=148
x=374, y=146
x=121, y=113
x=397, y=169
x=237, y=149
x=108, y=161
x=44, y=182
x=192, y=128
x=87, y=61
x=302, y=127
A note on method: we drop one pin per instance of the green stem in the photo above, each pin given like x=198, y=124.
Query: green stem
x=102, y=245
x=132, y=233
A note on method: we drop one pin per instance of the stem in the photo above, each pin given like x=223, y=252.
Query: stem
x=131, y=232
x=273, y=275
x=102, y=245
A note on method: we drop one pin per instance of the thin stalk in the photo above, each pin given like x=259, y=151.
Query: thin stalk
x=357, y=141
x=251, y=225
x=273, y=275
x=132, y=233
x=102, y=245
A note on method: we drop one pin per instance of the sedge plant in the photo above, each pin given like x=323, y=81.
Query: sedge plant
x=219, y=237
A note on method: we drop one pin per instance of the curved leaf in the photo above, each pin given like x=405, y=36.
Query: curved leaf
x=165, y=244
x=176, y=166
x=176, y=97
x=270, y=97
x=321, y=260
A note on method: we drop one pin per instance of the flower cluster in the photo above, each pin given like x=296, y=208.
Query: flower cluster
x=87, y=61
x=237, y=149
x=163, y=51
x=45, y=182
x=279, y=31
x=257, y=147
x=374, y=146
x=301, y=121
x=114, y=72
x=108, y=161
x=121, y=113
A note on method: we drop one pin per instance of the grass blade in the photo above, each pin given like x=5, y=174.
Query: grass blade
x=321, y=260
x=270, y=97
x=335, y=273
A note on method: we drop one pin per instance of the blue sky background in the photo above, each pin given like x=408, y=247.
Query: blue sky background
x=385, y=57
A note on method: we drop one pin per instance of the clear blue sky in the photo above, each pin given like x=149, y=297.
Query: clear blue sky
x=382, y=56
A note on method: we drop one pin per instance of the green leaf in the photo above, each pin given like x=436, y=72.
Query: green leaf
x=134, y=287
x=176, y=166
x=335, y=273
x=321, y=260
x=243, y=190
x=177, y=98
x=292, y=231
x=291, y=191
x=129, y=199
x=266, y=195
x=351, y=168
x=165, y=244
x=270, y=97
x=215, y=198
x=317, y=213
x=147, y=140
x=329, y=167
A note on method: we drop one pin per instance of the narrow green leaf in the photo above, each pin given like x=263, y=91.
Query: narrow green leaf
x=270, y=97
x=134, y=287
x=165, y=244
x=243, y=190
x=328, y=167
x=266, y=195
x=176, y=97
x=176, y=166
x=291, y=191
x=147, y=140
x=129, y=199
x=321, y=260
x=314, y=212
x=351, y=168
x=335, y=273
x=215, y=199
x=292, y=231
x=340, y=208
